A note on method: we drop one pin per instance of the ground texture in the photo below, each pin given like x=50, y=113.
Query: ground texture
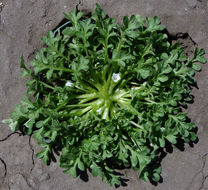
x=23, y=22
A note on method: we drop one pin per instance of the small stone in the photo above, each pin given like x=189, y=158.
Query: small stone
x=45, y=177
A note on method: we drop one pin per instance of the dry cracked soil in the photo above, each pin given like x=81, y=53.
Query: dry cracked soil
x=23, y=22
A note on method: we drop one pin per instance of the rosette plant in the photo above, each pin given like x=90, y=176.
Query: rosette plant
x=107, y=95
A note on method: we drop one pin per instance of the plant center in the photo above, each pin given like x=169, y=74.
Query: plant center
x=105, y=99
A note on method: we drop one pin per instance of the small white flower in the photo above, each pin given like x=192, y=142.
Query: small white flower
x=116, y=77
x=69, y=83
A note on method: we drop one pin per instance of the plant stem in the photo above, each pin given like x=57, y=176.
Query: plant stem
x=46, y=85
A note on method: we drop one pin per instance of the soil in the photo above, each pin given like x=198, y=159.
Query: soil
x=23, y=22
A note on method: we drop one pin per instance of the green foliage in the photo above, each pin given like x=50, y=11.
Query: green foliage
x=106, y=93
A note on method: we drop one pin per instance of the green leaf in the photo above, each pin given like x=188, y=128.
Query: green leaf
x=162, y=142
x=193, y=136
x=144, y=160
x=171, y=138
x=49, y=74
x=153, y=24
x=198, y=56
x=196, y=67
x=38, y=69
x=144, y=176
x=13, y=125
x=156, y=177
x=24, y=74
x=81, y=165
x=7, y=121
x=66, y=171
x=82, y=65
x=173, y=102
x=162, y=78
x=29, y=124
x=96, y=170
x=144, y=73
x=41, y=154
x=134, y=159
x=73, y=172
x=167, y=70
x=181, y=116
x=115, y=180
x=22, y=63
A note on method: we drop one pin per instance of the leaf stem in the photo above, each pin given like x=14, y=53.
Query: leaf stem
x=46, y=85
x=136, y=125
x=57, y=68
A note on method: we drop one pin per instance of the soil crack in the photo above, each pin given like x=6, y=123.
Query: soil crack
x=9, y=135
x=2, y=140
x=201, y=171
x=204, y=158
x=32, y=149
x=5, y=166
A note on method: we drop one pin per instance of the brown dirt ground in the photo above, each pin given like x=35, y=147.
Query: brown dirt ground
x=23, y=22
